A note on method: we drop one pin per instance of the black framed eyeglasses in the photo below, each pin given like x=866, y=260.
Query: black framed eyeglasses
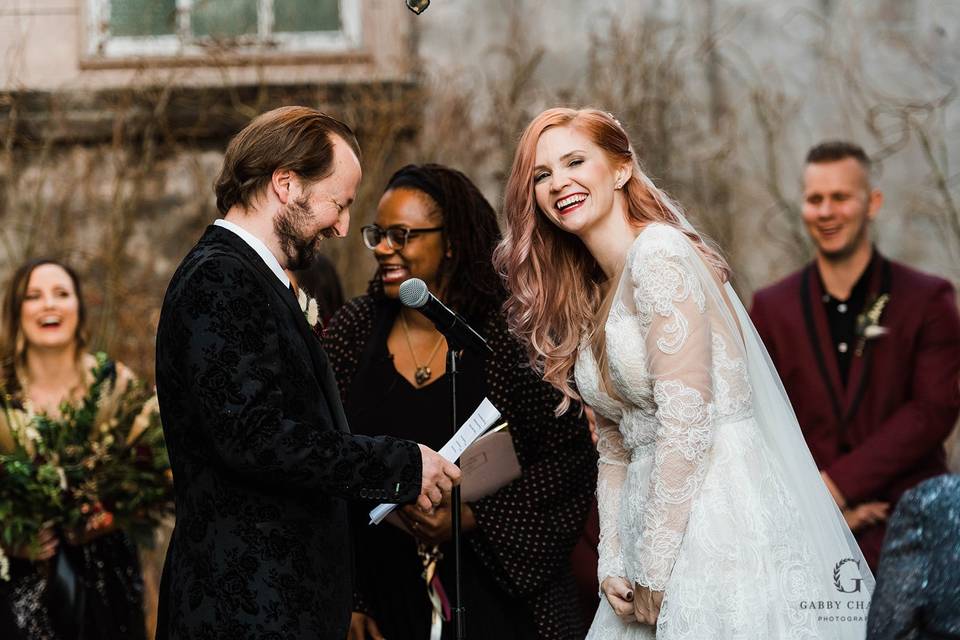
x=396, y=236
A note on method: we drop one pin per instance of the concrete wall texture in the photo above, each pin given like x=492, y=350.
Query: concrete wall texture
x=722, y=97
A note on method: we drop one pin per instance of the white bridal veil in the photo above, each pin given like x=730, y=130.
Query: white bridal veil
x=840, y=597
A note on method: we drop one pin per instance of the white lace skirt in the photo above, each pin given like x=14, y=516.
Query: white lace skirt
x=743, y=570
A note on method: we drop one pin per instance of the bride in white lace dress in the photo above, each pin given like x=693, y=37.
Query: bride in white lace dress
x=714, y=521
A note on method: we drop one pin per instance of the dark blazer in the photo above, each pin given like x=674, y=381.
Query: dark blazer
x=262, y=457
x=883, y=433
x=918, y=586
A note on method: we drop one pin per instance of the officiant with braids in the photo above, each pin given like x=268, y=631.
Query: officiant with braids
x=66, y=582
x=432, y=223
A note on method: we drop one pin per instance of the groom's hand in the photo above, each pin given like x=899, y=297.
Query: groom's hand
x=439, y=477
x=646, y=604
x=620, y=596
x=866, y=514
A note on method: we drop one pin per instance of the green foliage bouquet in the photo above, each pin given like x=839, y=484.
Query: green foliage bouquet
x=101, y=464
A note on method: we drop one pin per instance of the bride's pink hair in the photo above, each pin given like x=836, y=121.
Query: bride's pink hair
x=553, y=281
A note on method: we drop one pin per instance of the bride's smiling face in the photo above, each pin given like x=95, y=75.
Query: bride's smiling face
x=574, y=181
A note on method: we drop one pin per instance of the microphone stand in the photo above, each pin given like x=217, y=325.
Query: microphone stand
x=459, y=611
x=459, y=335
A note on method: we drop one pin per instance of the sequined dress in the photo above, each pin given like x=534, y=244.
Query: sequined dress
x=94, y=591
x=918, y=583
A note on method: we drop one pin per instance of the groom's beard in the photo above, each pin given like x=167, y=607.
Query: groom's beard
x=298, y=246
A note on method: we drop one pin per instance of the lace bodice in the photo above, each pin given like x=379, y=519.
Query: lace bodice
x=677, y=372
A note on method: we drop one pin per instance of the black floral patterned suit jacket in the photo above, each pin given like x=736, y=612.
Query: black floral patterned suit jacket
x=262, y=458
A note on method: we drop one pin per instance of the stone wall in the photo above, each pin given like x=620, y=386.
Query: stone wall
x=722, y=98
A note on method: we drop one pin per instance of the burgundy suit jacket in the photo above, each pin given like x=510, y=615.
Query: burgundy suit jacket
x=884, y=432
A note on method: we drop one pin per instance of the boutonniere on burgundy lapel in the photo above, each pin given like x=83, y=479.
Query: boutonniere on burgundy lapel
x=868, y=323
x=310, y=309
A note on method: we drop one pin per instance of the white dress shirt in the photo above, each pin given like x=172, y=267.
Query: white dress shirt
x=257, y=245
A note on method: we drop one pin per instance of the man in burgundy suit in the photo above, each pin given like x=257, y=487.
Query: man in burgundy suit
x=868, y=349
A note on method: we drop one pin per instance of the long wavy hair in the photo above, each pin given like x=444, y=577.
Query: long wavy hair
x=13, y=346
x=467, y=281
x=555, y=285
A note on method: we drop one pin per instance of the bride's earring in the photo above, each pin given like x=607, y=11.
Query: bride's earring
x=620, y=181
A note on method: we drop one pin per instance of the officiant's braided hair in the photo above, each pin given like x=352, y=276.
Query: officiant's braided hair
x=299, y=139
x=470, y=229
x=553, y=281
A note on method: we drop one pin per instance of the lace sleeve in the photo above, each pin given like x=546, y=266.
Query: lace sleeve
x=671, y=307
x=610, y=476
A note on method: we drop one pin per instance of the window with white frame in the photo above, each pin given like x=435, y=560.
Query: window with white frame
x=122, y=28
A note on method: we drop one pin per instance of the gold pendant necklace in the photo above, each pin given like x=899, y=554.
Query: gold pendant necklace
x=422, y=372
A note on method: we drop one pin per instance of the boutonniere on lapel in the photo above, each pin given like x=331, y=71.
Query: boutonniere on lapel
x=309, y=307
x=868, y=323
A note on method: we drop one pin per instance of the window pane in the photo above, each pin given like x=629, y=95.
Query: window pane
x=306, y=15
x=224, y=18
x=143, y=17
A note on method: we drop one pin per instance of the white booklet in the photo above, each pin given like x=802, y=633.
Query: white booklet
x=475, y=426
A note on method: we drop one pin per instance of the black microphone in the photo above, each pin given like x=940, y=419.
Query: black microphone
x=459, y=334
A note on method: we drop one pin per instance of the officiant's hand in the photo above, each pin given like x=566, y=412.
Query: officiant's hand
x=362, y=627
x=646, y=604
x=437, y=527
x=620, y=596
x=439, y=477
